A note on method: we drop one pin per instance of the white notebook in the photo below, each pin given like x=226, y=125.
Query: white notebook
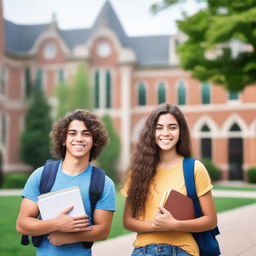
x=53, y=203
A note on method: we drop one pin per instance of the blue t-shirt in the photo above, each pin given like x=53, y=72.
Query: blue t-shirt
x=107, y=202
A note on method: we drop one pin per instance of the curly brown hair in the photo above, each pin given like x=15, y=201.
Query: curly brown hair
x=146, y=156
x=93, y=124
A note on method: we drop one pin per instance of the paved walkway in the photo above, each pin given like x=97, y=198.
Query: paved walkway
x=237, y=227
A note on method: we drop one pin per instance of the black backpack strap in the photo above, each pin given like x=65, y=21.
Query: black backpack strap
x=46, y=182
x=97, y=184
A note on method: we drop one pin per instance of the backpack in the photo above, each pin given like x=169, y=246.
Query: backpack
x=49, y=173
x=206, y=241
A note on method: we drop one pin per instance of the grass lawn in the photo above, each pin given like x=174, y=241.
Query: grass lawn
x=10, y=240
x=218, y=187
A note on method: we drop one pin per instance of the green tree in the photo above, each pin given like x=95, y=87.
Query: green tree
x=210, y=52
x=80, y=96
x=110, y=154
x=63, y=96
x=35, y=140
x=75, y=96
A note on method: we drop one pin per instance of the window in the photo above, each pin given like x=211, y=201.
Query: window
x=50, y=51
x=97, y=89
x=233, y=96
x=28, y=83
x=108, y=89
x=3, y=128
x=181, y=94
x=39, y=78
x=206, y=143
x=142, y=94
x=206, y=148
x=161, y=93
x=205, y=93
x=61, y=78
x=235, y=128
x=3, y=78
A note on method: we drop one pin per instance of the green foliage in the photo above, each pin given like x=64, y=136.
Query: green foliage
x=1, y=170
x=15, y=180
x=110, y=154
x=251, y=174
x=63, y=94
x=76, y=96
x=209, y=52
x=35, y=140
x=213, y=170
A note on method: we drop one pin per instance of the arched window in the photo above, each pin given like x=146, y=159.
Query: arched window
x=205, y=93
x=61, y=76
x=3, y=80
x=235, y=128
x=206, y=143
x=108, y=89
x=39, y=78
x=181, y=94
x=3, y=126
x=141, y=95
x=161, y=93
x=233, y=96
x=28, y=82
x=97, y=89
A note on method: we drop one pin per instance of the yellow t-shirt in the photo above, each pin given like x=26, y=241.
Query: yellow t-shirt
x=163, y=181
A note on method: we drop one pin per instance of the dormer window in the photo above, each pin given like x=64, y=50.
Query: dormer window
x=50, y=51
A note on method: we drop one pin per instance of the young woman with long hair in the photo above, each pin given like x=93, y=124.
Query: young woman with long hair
x=156, y=167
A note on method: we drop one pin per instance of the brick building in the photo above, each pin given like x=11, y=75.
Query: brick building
x=129, y=77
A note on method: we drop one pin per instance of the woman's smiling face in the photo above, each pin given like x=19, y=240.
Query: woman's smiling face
x=167, y=132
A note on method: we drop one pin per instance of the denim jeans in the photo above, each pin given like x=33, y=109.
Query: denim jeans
x=159, y=250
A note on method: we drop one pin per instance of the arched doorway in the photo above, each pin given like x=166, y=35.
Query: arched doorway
x=235, y=154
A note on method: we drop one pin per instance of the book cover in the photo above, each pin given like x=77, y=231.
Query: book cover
x=179, y=205
x=53, y=203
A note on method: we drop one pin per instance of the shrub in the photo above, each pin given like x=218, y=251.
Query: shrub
x=213, y=170
x=251, y=174
x=15, y=180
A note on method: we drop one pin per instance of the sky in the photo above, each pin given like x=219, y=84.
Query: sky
x=134, y=15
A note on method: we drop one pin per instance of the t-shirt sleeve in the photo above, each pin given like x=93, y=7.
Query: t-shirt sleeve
x=108, y=200
x=202, y=179
x=31, y=188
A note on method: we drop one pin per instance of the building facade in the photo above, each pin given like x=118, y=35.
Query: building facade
x=129, y=77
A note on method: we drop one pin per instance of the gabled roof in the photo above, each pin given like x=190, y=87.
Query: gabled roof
x=151, y=50
x=108, y=18
x=20, y=38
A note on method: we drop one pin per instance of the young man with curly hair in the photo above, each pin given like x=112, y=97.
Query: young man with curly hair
x=77, y=138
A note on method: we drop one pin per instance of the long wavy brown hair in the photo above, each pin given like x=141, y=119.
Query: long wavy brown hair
x=146, y=156
x=93, y=124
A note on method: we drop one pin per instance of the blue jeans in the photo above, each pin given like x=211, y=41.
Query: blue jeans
x=159, y=250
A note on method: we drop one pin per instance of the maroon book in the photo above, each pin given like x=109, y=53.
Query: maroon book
x=179, y=205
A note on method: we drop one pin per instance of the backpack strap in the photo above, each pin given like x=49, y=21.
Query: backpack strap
x=46, y=182
x=48, y=176
x=95, y=193
x=188, y=170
